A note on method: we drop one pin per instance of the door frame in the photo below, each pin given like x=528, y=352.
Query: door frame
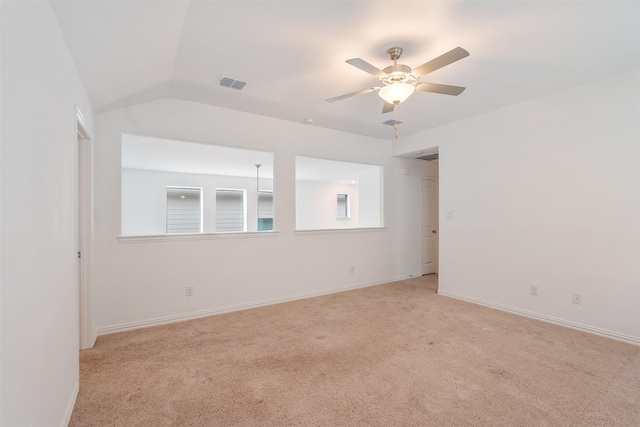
x=85, y=232
x=436, y=220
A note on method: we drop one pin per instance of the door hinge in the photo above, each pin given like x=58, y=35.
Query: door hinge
x=79, y=254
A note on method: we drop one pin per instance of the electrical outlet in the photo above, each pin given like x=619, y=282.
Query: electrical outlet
x=533, y=290
x=577, y=298
x=188, y=291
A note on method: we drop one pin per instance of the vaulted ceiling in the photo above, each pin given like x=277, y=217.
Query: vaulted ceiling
x=292, y=54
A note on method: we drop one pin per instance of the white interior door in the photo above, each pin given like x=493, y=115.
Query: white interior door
x=429, y=236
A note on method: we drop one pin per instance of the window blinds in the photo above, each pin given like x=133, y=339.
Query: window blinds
x=184, y=210
x=265, y=204
x=229, y=210
x=343, y=206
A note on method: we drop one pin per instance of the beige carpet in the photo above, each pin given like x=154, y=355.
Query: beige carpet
x=391, y=355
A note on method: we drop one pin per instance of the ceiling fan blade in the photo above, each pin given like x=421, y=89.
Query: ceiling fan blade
x=366, y=67
x=349, y=95
x=438, y=88
x=388, y=107
x=439, y=62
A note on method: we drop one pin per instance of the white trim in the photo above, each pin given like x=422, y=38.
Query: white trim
x=228, y=309
x=87, y=332
x=83, y=130
x=549, y=319
x=339, y=230
x=195, y=236
x=72, y=402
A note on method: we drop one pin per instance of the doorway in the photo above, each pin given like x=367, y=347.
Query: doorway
x=429, y=227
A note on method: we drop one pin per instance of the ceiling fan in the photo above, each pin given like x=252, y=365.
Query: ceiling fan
x=400, y=80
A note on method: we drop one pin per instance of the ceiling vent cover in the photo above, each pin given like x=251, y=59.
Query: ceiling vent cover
x=232, y=83
x=391, y=122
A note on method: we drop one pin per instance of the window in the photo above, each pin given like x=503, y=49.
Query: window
x=343, y=206
x=230, y=209
x=265, y=210
x=332, y=194
x=153, y=165
x=184, y=210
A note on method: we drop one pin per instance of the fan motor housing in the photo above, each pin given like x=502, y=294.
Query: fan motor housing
x=398, y=72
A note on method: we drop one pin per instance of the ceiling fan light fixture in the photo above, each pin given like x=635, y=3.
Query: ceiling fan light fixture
x=396, y=93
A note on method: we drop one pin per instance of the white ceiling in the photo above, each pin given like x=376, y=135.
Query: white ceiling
x=162, y=154
x=292, y=53
x=322, y=170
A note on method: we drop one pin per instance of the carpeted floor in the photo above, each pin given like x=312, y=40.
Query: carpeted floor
x=391, y=355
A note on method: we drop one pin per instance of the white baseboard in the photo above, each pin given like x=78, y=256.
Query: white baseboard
x=72, y=403
x=573, y=325
x=228, y=309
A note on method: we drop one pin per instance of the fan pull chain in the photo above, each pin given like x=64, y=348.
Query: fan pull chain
x=395, y=121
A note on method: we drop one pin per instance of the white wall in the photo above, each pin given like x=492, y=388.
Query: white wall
x=137, y=282
x=316, y=205
x=369, y=198
x=39, y=294
x=144, y=198
x=546, y=192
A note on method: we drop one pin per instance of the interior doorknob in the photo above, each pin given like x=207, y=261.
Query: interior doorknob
x=434, y=231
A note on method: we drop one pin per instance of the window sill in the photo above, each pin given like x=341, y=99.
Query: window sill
x=198, y=236
x=339, y=231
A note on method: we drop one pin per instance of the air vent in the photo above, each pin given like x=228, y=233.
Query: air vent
x=391, y=122
x=429, y=157
x=232, y=83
